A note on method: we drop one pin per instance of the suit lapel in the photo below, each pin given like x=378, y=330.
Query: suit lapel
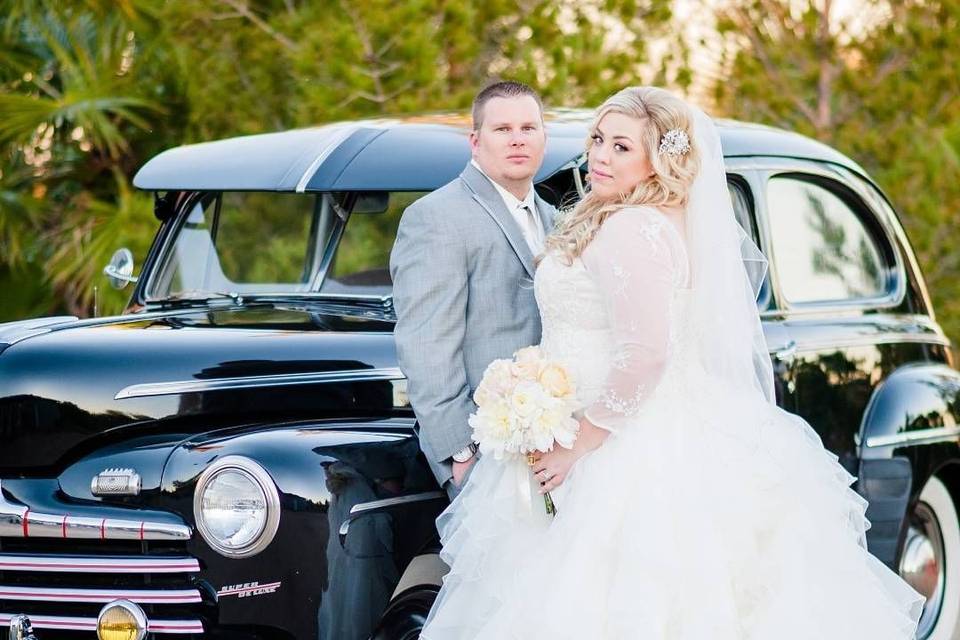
x=487, y=197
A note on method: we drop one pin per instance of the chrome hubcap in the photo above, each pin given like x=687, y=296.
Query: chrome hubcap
x=922, y=564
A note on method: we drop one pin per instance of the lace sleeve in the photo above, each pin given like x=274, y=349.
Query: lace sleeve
x=633, y=262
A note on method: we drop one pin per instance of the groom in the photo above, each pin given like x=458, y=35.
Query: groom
x=462, y=270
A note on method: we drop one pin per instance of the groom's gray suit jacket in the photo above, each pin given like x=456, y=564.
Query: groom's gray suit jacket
x=463, y=294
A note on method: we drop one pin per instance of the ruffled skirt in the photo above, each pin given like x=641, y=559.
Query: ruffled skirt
x=715, y=518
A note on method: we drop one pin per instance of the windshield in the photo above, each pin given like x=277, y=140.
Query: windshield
x=262, y=243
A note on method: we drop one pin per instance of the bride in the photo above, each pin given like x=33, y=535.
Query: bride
x=690, y=506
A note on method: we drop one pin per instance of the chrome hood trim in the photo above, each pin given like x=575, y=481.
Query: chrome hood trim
x=175, y=387
x=13, y=332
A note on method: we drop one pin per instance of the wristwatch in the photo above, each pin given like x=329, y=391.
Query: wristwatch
x=466, y=453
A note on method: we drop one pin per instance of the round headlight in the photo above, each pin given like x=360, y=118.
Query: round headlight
x=236, y=506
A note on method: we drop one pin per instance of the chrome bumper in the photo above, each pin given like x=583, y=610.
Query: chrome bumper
x=70, y=623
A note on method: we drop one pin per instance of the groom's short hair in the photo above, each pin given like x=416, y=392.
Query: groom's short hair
x=502, y=89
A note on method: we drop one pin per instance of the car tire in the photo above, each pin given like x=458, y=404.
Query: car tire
x=933, y=536
x=406, y=614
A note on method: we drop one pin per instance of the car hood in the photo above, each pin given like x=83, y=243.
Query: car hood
x=72, y=386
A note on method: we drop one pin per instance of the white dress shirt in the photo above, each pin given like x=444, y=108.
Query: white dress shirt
x=523, y=211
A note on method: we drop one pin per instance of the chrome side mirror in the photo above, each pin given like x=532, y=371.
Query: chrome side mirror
x=119, y=271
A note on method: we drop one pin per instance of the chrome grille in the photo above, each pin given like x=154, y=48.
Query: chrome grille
x=61, y=581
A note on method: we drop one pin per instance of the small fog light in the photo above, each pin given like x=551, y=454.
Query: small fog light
x=121, y=620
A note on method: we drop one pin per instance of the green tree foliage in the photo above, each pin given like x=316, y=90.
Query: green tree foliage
x=91, y=89
x=77, y=106
x=881, y=85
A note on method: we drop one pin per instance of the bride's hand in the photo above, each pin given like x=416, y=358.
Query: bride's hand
x=551, y=467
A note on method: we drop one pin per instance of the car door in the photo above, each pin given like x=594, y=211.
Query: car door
x=840, y=285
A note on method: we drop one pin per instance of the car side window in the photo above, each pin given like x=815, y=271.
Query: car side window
x=823, y=250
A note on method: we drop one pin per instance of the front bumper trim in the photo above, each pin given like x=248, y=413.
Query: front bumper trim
x=98, y=564
x=70, y=623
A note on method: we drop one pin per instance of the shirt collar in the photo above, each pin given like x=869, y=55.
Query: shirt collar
x=512, y=202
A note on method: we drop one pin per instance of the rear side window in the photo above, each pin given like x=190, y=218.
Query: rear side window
x=823, y=250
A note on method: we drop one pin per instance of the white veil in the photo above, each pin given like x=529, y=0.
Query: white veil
x=727, y=270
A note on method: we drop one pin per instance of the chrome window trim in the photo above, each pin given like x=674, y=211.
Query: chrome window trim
x=79, y=594
x=768, y=168
x=175, y=387
x=28, y=563
x=881, y=203
x=921, y=436
x=170, y=230
x=333, y=242
x=76, y=623
x=874, y=339
x=263, y=479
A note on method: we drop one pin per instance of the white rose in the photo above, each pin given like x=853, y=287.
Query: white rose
x=526, y=399
x=566, y=432
x=484, y=396
x=498, y=379
x=493, y=428
x=543, y=428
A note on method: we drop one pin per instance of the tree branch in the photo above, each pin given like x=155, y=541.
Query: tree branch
x=772, y=71
x=243, y=9
x=827, y=71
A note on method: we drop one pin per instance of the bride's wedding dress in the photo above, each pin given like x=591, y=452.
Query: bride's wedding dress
x=708, y=513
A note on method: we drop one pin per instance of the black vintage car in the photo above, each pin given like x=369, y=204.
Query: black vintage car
x=235, y=456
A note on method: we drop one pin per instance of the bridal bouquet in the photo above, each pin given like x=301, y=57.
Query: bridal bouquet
x=524, y=405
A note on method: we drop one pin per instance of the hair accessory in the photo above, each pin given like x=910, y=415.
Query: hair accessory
x=675, y=143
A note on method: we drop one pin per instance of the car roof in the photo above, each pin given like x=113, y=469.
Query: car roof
x=418, y=153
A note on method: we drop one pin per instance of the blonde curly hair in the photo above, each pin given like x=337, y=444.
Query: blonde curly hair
x=659, y=111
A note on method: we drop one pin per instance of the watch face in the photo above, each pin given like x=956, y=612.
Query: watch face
x=464, y=454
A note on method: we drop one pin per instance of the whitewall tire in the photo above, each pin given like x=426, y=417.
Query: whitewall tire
x=931, y=561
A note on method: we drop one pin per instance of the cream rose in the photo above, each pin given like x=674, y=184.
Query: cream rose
x=556, y=381
x=526, y=363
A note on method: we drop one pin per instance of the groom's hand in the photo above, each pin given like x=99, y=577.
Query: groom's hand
x=460, y=470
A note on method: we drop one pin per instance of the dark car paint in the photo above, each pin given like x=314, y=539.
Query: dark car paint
x=83, y=368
